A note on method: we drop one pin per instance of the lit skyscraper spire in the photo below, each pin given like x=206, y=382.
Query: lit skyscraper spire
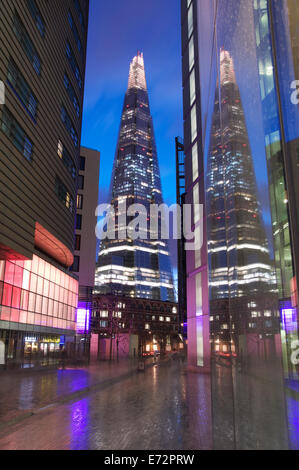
x=137, y=73
x=142, y=267
x=227, y=71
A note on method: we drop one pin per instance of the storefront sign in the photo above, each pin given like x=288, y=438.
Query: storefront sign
x=30, y=340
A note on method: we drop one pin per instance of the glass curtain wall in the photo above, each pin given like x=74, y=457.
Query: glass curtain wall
x=251, y=153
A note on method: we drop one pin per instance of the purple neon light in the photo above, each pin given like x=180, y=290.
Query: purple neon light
x=83, y=320
x=289, y=316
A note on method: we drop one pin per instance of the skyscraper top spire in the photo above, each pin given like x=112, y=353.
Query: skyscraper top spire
x=137, y=73
x=227, y=71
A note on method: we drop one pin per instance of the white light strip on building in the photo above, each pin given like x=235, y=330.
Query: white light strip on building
x=132, y=248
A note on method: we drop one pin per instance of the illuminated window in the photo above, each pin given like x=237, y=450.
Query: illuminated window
x=192, y=87
x=198, y=287
x=191, y=53
x=190, y=21
x=80, y=201
x=193, y=123
x=66, y=159
x=64, y=195
x=196, y=204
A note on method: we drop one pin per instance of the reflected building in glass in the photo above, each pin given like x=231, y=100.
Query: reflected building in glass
x=127, y=266
x=240, y=268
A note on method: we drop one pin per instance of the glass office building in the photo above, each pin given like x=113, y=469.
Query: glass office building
x=135, y=267
x=40, y=130
x=240, y=64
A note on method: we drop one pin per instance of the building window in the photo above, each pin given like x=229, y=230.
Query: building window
x=82, y=163
x=191, y=53
x=76, y=266
x=81, y=182
x=76, y=34
x=190, y=21
x=21, y=88
x=67, y=160
x=16, y=134
x=26, y=43
x=193, y=123
x=64, y=195
x=192, y=88
x=78, y=222
x=80, y=201
x=195, y=173
x=71, y=93
x=196, y=208
x=73, y=64
x=78, y=243
x=37, y=17
x=69, y=126
x=80, y=14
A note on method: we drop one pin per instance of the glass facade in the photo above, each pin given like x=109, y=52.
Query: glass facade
x=37, y=293
x=240, y=64
x=142, y=267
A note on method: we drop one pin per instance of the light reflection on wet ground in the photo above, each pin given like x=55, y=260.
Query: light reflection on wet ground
x=163, y=408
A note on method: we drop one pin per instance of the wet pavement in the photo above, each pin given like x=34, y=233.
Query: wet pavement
x=109, y=408
x=113, y=407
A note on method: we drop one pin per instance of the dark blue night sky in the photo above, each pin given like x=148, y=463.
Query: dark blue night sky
x=117, y=29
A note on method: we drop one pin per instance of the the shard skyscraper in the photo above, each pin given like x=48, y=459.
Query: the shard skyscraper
x=242, y=278
x=238, y=247
x=136, y=268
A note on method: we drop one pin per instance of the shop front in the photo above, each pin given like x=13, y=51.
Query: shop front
x=42, y=346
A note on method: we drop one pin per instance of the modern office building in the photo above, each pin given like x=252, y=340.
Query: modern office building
x=42, y=65
x=135, y=267
x=240, y=66
x=86, y=221
x=180, y=196
x=85, y=237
